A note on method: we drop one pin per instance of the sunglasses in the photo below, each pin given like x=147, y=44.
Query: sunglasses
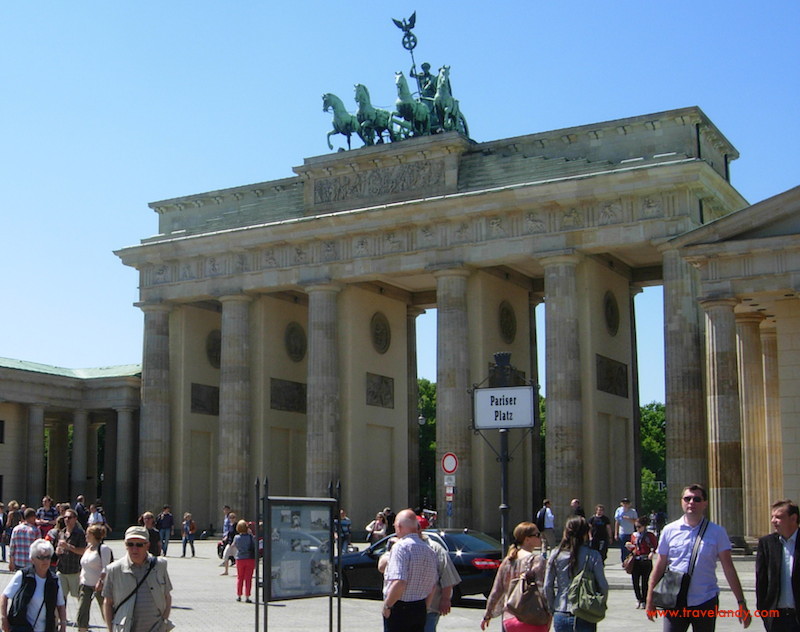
x=138, y=545
x=697, y=499
x=42, y=557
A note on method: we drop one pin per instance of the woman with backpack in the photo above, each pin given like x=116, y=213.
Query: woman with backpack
x=571, y=557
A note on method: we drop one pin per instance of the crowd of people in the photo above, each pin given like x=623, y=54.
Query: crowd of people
x=58, y=551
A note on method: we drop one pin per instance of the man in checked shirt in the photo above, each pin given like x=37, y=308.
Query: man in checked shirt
x=410, y=577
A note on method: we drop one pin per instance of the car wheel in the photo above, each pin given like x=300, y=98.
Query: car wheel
x=456, y=598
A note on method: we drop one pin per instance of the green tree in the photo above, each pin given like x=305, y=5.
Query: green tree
x=427, y=442
x=654, y=456
x=653, y=438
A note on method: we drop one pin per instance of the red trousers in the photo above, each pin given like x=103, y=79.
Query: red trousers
x=244, y=575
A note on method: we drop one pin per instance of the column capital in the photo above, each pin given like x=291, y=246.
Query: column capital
x=749, y=317
x=153, y=306
x=322, y=285
x=455, y=270
x=560, y=257
x=124, y=409
x=412, y=311
x=713, y=303
x=234, y=298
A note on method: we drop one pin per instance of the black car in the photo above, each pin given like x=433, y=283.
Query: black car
x=475, y=555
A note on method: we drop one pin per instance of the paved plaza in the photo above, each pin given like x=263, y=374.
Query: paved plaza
x=204, y=600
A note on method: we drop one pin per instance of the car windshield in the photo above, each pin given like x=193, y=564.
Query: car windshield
x=471, y=541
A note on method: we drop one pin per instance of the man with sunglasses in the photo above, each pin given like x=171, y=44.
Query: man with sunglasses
x=697, y=605
x=70, y=548
x=137, y=588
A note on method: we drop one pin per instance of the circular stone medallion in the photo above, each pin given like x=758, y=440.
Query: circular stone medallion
x=214, y=347
x=508, y=322
x=380, y=332
x=611, y=313
x=294, y=339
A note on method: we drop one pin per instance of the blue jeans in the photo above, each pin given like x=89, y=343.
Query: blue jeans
x=565, y=622
x=164, y=535
x=430, y=621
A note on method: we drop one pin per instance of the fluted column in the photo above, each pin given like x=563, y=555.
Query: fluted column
x=80, y=432
x=453, y=402
x=537, y=484
x=58, y=460
x=91, y=463
x=563, y=372
x=35, y=465
x=724, y=426
x=234, y=404
x=125, y=509
x=109, y=491
x=636, y=411
x=322, y=438
x=155, y=423
x=687, y=455
x=772, y=414
x=754, y=441
x=413, y=406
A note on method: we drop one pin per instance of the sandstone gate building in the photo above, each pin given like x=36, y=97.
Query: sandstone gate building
x=280, y=322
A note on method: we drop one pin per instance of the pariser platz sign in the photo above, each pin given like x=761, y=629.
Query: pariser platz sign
x=503, y=407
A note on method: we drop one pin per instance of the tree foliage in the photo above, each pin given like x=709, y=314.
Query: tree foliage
x=653, y=437
x=427, y=444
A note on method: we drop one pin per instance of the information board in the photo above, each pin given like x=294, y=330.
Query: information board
x=301, y=545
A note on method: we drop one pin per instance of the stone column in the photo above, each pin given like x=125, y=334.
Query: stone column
x=687, y=458
x=564, y=460
x=155, y=428
x=724, y=425
x=125, y=509
x=35, y=466
x=772, y=414
x=91, y=464
x=322, y=438
x=453, y=402
x=58, y=461
x=108, y=494
x=80, y=435
x=537, y=484
x=754, y=440
x=413, y=406
x=636, y=410
x=234, y=484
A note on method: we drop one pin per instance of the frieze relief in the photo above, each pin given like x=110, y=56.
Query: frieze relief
x=421, y=237
x=381, y=182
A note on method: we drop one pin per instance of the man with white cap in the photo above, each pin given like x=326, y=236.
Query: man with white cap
x=137, y=588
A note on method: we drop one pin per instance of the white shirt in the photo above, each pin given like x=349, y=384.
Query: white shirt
x=35, y=608
x=549, y=518
x=786, y=598
x=677, y=542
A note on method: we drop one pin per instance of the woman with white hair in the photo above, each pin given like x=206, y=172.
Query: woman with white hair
x=33, y=596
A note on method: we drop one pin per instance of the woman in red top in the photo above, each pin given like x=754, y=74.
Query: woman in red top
x=642, y=546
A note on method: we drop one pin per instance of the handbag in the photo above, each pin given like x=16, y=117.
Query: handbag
x=525, y=600
x=672, y=588
x=628, y=563
x=590, y=602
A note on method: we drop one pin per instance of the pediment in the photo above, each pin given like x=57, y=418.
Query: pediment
x=777, y=216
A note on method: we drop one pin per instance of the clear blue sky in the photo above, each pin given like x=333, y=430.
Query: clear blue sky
x=107, y=106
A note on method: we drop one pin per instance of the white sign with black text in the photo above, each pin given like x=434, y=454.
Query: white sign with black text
x=503, y=407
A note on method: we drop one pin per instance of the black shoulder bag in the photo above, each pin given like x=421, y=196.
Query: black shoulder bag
x=150, y=568
x=672, y=588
